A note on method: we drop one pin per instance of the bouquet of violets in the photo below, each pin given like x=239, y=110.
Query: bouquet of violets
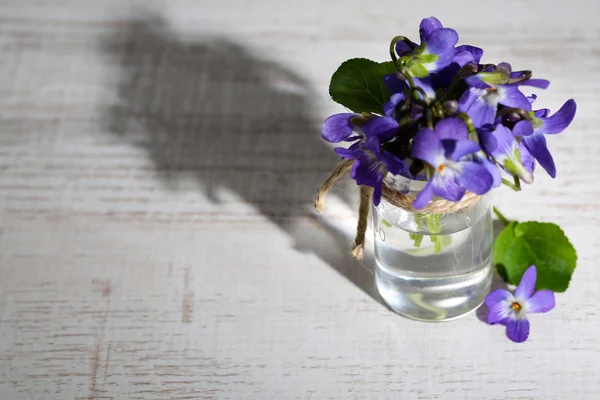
x=436, y=113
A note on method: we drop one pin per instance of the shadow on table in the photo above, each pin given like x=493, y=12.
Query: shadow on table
x=213, y=111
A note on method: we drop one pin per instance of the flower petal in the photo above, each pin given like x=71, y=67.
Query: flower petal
x=350, y=154
x=462, y=58
x=389, y=108
x=468, y=98
x=467, y=54
x=445, y=186
x=538, y=83
x=337, y=127
x=476, y=81
x=526, y=158
x=527, y=284
x=394, y=84
x=402, y=48
x=443, y=77
x=474, y=177
x=428, y=25
x=502, y=146
x=482, y=110
x=511, y=96
x=383, y=128
x=368, y=170
x=498, y=295
x=377, y=191
x=499, y=313
x=542, y=113
x=523, y=128
x=559, y=121
x=463, y=148
x=542, y=301
x=532, y=98
x=394, y=164
x=427, y=146
x=536, y=144
x=451, y=128
x=517, y=330
x=498, y=143
x=441, y=42
x=491, y=167
x=424, y=196
x=426, y=85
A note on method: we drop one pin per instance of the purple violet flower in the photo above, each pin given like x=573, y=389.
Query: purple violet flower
x=390, y=107
x=435, y=52
x=428, y=76
x=511, y=310
x=397, y=85
x=451, y=154
x=466, y=54
x=371, y=165
x=488, y=89
x=500, y=143
x=533, y=132
x=338, y=128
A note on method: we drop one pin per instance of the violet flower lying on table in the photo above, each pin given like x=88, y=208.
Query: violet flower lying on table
x=511, y=310
x=436, y=114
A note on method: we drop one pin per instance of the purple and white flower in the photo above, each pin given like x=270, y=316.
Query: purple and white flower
x=371, y=165
x=532, y=132
x=435, y=52
x=338, y=128
x=451, y=155
x=488, y=89
x=499, y=143
x=511, y=310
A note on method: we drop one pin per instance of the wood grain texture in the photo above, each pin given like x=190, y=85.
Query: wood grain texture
x=157, y=165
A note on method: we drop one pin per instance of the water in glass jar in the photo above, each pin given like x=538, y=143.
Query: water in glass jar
x=433, y=277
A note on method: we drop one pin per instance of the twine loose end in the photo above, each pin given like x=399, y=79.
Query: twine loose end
x=337, y=173
x=358, y=251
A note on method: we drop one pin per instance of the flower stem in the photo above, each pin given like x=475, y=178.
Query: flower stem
x=470, y=126
x=514, y=187
x=434, y=226
x=517, y=181
x=501, y=217
x=418, y=239
x=429, y=118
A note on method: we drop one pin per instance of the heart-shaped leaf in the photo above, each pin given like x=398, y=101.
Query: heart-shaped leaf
x=358, y=85
x=544, y=245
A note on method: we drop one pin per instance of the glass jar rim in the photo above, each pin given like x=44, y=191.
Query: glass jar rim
x=403, y=184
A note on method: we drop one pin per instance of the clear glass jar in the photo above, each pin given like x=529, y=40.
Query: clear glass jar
x=433, y=267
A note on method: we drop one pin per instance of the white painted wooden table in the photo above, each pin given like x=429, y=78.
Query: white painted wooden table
x=157, y=164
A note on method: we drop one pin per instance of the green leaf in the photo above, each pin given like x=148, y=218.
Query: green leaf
x=544, y=245
x=358, y=85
